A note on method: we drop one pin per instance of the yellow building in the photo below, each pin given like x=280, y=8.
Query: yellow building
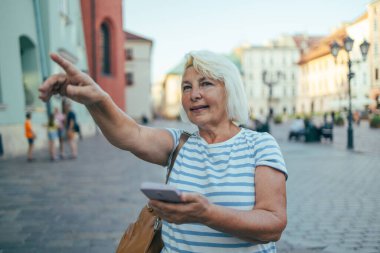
x=323, y=85
x=322, y=81
x=171, y=100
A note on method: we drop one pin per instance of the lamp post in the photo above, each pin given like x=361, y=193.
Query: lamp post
x=347, y=45
x=270, y=79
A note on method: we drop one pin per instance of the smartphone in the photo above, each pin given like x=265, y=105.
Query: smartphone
x=162, y=192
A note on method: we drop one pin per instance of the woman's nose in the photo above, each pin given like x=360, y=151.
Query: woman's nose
x=196, y=94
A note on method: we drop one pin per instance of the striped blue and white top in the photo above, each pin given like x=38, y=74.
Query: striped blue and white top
x=224, y=173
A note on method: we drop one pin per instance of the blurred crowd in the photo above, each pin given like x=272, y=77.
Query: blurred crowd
x=62, y=130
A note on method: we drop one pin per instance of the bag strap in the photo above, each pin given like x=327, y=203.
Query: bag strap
x=182, y=140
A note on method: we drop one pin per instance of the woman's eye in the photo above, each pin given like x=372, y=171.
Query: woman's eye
x=186, y=87
x=206, y=84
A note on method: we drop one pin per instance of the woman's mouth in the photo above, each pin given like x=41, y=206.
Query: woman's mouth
x=198, y=108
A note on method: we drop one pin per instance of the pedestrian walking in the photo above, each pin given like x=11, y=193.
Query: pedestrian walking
x=30, y=136
x=70, y=129
x=232, y=179
x=52, y=132
x=60, y=121
x=333, y=117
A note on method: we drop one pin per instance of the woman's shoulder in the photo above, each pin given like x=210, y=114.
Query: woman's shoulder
x=251, y=133
x=176, y=133
x=258, y=137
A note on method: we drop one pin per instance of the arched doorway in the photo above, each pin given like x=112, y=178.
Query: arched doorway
x=30, y=72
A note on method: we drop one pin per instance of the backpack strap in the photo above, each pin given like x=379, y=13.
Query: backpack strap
x=182, y=140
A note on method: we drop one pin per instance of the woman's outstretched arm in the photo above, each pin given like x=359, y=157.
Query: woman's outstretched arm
x=150, y=144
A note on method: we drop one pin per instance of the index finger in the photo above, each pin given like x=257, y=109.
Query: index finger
x=67, y=66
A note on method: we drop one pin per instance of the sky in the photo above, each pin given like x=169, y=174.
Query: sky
x=179, y=26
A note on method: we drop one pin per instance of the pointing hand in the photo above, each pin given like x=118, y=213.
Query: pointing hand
x=73, y=84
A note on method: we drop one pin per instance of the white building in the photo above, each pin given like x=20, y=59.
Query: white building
x=274, y=64
x=138, y=51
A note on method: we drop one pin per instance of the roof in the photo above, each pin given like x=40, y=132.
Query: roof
x=322, y=48
x=304, y=42
x=132, y=36
x=361, y=18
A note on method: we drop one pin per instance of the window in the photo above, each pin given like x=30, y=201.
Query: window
x=129, y=79
x=29, y=68
x=129, y=54
x=105, y=49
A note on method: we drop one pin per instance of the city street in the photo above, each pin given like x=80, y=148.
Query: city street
x=84, y=205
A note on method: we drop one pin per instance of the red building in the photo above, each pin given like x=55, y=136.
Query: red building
x=103, y=28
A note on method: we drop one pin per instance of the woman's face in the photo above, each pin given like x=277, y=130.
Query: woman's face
x=203, y=99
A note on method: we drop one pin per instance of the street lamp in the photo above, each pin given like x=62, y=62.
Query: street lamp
x=270, y=79
x=334, y=49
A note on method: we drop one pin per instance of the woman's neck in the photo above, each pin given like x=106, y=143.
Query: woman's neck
x=219, y=133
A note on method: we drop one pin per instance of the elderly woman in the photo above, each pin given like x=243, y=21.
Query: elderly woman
x=232, y=179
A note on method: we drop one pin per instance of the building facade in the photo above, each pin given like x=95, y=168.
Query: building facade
x=171, y=100
x=321, y=77
x=38, y=27
x=374, y=51
x=324, y=86
x=104, y=37
x=138, y=54
x=271, y=65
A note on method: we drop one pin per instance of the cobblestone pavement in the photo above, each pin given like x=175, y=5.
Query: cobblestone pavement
x=84, y=205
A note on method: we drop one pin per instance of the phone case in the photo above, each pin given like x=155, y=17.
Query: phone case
x=162, y=192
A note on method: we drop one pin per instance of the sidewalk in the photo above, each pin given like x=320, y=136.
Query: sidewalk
x=84, y=205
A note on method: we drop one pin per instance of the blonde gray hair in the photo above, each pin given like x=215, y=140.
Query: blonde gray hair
x=220, y=68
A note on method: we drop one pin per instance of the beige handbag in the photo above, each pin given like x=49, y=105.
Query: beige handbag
x=144, y=236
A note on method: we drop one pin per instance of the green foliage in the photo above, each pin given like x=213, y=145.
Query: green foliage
x=277, y=119
x=338, y=120
x=375, y=121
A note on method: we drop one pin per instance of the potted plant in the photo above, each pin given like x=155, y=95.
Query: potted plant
x=375, y=121
x=338, y=120
x=277, y=119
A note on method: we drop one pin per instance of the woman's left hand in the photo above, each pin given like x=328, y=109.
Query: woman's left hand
x=192, y=209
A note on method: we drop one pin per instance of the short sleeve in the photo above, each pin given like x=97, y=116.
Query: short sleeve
x=267, y=153
x=176, y=134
